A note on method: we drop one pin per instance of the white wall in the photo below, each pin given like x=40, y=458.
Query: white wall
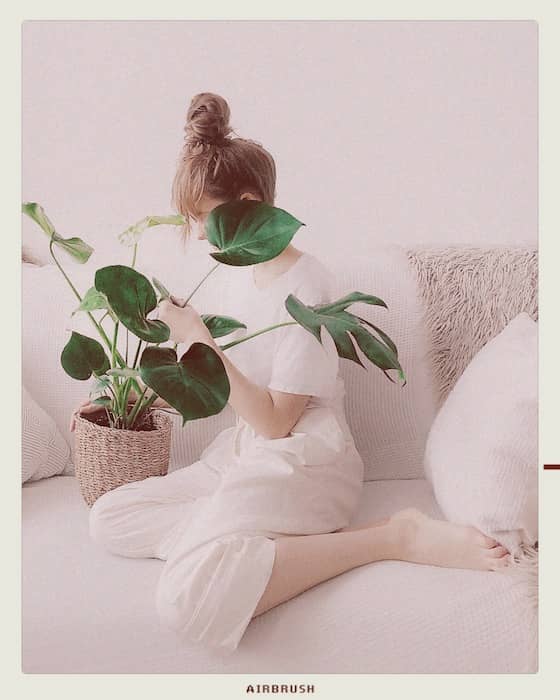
x=408, y=132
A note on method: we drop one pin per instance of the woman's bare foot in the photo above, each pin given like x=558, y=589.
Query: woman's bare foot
x=423, y=540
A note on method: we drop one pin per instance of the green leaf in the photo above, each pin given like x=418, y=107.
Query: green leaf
x=352, y=298
x=248, y=232
x=99, y=385
x=83, y=356
x=103, y=401
x=196, y=385
x=221, y=325
x=131, y=297
x=75, y=247
x=164, y=294
x=384, y=337
x=37, y=213
x=133, y=233
x=345, y=328
x=125, y=372
x=92, y=301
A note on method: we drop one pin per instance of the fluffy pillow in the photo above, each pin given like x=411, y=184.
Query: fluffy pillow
x=44, y=450
x=482, y=450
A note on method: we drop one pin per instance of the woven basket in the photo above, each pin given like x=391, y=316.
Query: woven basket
x=105, y=458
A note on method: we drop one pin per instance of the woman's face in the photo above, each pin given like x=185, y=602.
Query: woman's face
x=205, y=206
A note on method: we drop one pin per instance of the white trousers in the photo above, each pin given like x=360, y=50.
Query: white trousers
x=214, y=522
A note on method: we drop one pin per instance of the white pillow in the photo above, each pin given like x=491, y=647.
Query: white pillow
x=482, y=451
x=44, y=450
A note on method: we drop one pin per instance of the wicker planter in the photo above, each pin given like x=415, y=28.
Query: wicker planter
x=105, y=458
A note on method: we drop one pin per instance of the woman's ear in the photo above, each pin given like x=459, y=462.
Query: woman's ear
x=249, y=195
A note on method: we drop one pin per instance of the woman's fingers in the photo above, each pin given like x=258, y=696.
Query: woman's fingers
x=177, y=301
x=85, y=407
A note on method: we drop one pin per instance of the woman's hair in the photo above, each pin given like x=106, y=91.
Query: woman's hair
x=215, y=164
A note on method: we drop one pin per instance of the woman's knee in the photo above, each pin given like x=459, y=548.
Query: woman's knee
x=208, y=593
x=105, y=519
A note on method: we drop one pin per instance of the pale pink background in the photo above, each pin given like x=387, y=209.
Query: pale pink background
x=412, y=132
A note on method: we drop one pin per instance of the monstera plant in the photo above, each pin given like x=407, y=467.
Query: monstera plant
x=122, y=300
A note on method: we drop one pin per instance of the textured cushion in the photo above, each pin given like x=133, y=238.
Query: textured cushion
x=482, y=451
x=469, y=295
x=44, y=451
x=87, y=611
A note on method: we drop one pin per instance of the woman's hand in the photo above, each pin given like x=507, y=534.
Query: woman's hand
x=86, y=406
x=185, y=324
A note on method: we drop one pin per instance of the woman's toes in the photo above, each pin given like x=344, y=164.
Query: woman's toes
x=488, y=542
x=500, y=562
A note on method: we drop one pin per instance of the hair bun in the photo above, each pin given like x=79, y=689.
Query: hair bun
x=207, y=119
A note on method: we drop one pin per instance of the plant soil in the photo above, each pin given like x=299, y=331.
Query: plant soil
x=100, y=418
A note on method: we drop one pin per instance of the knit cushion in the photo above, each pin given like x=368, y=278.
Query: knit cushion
x=482, y=451
x=44, y=451
x=389, y=422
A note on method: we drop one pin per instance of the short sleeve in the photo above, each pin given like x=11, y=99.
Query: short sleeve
x=301, y=364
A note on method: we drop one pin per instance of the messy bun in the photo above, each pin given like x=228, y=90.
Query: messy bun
x=207, y=120
x=216, y=164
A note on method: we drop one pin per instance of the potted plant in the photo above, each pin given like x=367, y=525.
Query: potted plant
x=129, y=439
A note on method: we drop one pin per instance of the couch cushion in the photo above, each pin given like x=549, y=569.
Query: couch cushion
x=482, y=452
x=390, y=423
x=87, y=611
x=44, y=452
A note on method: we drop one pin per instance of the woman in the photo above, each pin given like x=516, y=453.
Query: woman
x=264, y=514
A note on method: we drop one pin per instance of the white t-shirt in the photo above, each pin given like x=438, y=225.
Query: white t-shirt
x=288, y=359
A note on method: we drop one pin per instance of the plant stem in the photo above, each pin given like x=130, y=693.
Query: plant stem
x=137, y=354
x=147, y=403
x=135, y=409
x=254, y=335
x=114, y=346
x=99, y=328
x=97, y=325
x=206, y=276
x=134, y=255
x=151, y=399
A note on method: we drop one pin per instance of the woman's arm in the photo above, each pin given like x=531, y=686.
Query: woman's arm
x=271, y=414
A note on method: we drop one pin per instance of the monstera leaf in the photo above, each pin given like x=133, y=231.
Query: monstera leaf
x=131, y=297
x=248, y=232
x=75, y=247
x=221, y=325
x=196, y=385
x=83, y=356
x=346, y=329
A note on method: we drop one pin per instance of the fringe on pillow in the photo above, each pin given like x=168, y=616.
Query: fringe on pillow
x=523, y=570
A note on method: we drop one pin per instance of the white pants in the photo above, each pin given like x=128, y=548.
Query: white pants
x=215, y=521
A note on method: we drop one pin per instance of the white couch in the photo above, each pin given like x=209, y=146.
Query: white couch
x=87, y=611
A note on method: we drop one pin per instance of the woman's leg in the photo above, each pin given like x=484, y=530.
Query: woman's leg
x=302, y=562
x=141, y=519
